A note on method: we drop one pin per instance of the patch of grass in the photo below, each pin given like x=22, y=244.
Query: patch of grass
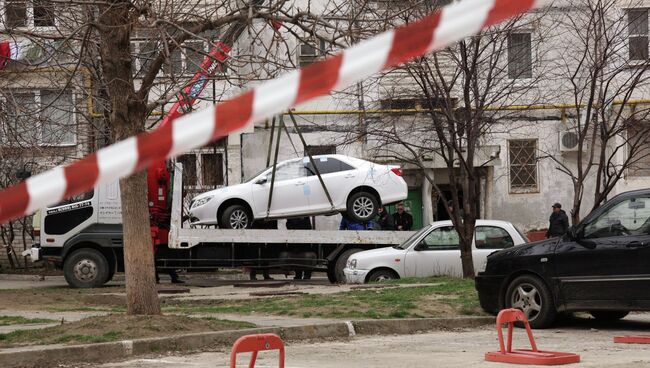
x=116, y=327
x=441, y=297
x=17, y=320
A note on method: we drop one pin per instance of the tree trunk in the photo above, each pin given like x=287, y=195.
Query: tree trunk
x=141, y=293
x=127, y=118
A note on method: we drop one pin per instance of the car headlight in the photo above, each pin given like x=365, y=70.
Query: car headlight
x=201, y=202
x=482, y=267
x=352, y=264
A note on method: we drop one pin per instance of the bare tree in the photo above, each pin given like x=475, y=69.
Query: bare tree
x=132, y=57
x=604, y=71
x=446, y=106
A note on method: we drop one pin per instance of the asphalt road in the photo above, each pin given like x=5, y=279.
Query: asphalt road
x=462, y=349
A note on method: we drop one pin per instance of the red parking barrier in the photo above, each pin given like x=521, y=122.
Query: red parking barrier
x=524, y=356
x=632, y=339
x=253, y=344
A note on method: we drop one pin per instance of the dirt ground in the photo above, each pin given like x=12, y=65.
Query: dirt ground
x=453, y=349
x=116, y=327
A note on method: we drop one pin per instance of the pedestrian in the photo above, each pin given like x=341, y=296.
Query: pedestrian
x=403, y=219
x=558, y=223
x=384, y=219
x=349, y=224
x=300, y=223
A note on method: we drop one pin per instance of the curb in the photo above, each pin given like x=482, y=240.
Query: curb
x=43, y=356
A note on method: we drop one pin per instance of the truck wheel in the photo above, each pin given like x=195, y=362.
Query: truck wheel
x=86, y=268
x=529, y=294
x=236, y=217
x=340, y=264
x=362, y=207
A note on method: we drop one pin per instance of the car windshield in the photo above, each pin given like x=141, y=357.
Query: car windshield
x=523, y=236
x=408, y=241
x=256, y=174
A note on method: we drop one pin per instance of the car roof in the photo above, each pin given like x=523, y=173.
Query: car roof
x=479, y=222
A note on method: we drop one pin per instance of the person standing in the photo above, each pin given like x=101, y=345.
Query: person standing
x=403, y=219
x=300, y=223
x=384, y=219
x=558, y=222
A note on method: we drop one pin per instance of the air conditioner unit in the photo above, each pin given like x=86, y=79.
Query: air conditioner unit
x=568, y=141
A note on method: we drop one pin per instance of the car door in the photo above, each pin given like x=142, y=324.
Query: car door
x=339, y=178
x=290, y=195
x=607, y=264
x=487, y=239
x=438, y=253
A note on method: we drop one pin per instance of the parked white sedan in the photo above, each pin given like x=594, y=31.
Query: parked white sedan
x=355, y=186
x=432, y=251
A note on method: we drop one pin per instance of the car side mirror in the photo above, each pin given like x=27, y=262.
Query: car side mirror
x=261, y=181
x=573, y=233
x=419, y=246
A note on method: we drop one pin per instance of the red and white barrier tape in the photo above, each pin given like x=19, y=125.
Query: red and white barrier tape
x=435, y=31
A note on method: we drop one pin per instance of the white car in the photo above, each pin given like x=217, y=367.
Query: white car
x=432, y=251
x=356, y=186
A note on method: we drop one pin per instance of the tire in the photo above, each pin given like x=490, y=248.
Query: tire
x=86, y=268
x=340, y=264
x=529, y=294
x=362, y=207
x=236, y=217
x=381, y=275
x=609, y=316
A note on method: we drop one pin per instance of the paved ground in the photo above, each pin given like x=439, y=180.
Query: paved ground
x=460, y=349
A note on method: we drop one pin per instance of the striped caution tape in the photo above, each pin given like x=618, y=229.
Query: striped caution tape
x=433, y=32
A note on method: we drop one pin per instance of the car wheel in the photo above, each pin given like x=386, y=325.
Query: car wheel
x=340, y=264
x=362, y=206
x=86, y=268
x=236, y=217
x=529, y=294
x=381, y=275
x=609, y=316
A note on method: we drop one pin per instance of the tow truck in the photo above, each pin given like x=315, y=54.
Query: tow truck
x=85, y=238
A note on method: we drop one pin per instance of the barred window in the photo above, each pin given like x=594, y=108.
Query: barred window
x=520, y=56
x=523, y=165
x=310, y=50
x=638, y=135
x=638, y=34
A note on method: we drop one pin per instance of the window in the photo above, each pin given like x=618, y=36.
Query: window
x=442, y=238
x=44, y=117
x=638, y=34
x=520, y=56
x=492, y=237
x=523, y=165
x=36, y=13
x=630, y=217
x=638, y=134
x=187, y=59
x=309, y=51
x=202, y=170
x=291, y=170
x=320, y=150
x=327, y=165
x=143, y=54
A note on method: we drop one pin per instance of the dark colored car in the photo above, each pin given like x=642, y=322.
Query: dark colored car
x=601, y=266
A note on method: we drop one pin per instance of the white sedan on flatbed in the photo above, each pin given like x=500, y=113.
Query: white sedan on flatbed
x=356, y=186
x=432, y=251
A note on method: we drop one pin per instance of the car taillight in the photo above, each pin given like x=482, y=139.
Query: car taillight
x=36, y=232
x=397, y=171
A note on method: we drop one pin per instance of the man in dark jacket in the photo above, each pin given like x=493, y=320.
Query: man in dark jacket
x=385, y=219
x=558, y=222
x=403, y=219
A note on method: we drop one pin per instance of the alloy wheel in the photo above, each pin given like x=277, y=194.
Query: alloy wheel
x=238, y=219
x=527, y=298
x=363, y=207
